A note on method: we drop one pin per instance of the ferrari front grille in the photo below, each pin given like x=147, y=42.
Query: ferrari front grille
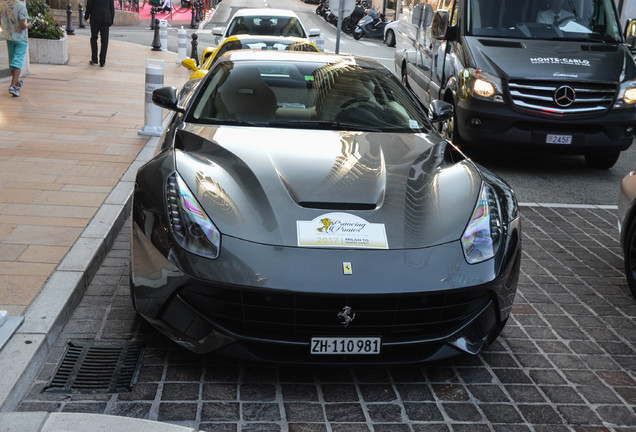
x=296, y=316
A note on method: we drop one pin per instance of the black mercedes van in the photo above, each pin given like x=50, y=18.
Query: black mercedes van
x=540, y=75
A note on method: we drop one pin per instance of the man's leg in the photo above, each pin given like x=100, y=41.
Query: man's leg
x=104, y=44
x=94, y=33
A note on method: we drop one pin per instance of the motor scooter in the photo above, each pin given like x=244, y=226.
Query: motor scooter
x=349, y=23
x=372, y=25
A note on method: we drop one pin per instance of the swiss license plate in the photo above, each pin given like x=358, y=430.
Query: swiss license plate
x=558, y=139
x=345, y=345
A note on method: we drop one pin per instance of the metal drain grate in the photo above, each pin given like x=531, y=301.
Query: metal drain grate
x=97, y=367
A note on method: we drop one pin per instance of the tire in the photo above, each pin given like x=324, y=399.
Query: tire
x=319, y=10
x=601, y=161
x=630, y=256
x=405, y=78
x=390, y=38
x=357, y=35
x=347, y=25
x=449, y=129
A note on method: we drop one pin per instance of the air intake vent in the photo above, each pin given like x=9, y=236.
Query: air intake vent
x=600, y=47
x=336, y=205
x=501, y=43
x=97, y=367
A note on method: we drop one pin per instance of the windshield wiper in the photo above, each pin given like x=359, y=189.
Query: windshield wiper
x=321, y=124
x=233, y=122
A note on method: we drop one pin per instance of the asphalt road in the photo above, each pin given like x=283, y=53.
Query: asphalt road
x=536, y=178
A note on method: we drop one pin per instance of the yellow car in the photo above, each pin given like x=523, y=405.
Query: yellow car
x=238, y=42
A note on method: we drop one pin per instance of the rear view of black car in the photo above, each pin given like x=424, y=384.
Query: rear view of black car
x=541, y=75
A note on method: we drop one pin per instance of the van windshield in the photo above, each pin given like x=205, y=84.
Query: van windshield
x=589, y=20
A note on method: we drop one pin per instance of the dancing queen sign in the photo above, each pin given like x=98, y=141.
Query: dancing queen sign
x=341, y=230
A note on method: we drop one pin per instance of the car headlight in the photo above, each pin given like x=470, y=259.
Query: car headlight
x=481, y=237
x=192, y=228
x=627, y=95
x=481, y=85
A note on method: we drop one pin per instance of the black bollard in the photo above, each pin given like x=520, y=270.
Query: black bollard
x=194, y=53
x=156, y=40
x=69, y=20
x=82, y=24
x=193, y=21
x=198, y=9
x=153, y=12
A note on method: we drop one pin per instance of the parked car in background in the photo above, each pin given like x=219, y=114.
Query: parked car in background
x=300, y=208
x=264, y=21
x=390, y=30
x=520, y=81
x=627, y=227
x=237, y=42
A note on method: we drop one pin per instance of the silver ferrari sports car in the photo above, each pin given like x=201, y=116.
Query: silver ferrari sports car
x=300, y=208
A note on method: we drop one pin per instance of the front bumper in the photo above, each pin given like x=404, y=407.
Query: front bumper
x=265, y=303
x=490, y=125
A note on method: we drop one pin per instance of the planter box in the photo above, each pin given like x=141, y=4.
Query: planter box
x=48, y=51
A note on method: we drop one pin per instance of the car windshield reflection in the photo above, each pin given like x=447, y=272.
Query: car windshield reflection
x=306, y=95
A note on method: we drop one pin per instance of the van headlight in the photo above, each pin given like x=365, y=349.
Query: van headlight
x=191, y=227
x=627, y=95
x=480, y=85
x=482, y=236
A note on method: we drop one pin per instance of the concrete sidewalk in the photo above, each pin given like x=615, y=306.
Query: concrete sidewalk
x=69, y=150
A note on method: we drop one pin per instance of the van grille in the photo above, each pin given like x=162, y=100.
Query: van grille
x=589, y=98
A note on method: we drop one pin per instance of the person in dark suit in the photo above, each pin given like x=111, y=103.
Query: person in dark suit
x=100, y=14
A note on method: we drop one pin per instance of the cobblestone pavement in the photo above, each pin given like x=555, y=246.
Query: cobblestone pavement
x=566, y=360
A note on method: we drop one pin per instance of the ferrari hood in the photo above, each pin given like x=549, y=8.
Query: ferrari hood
x=312, y=188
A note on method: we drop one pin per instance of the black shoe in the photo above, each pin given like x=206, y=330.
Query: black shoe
x=101, y=64
x=91, y=62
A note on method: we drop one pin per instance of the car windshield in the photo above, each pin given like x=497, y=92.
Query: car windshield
x=308, y=95
x=269, y=25
x=586, y=20
x=267, y=45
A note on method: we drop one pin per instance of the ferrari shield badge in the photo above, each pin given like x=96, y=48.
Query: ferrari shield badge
x=346, y=268
x=341, y=230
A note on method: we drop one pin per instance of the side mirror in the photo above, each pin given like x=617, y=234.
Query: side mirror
x=166, y=97
x=439, y=111
x=440, y=24
x=217, y=31
x=190, y=64
x=630, y=34
x=314, y=32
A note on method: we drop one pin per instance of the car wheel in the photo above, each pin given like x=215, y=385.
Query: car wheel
x=390, y=38
x=630, y=257
x=601, y=161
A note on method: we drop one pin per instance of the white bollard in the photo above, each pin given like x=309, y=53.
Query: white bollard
x=163, y=34
x=154, y=114
x=182, y=51
x=320, y=43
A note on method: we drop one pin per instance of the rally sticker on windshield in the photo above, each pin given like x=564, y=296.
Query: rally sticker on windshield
x=341, y=230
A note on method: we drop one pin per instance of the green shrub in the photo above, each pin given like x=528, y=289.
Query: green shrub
x=44, y=25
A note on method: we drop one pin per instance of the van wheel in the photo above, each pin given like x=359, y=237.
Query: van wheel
x=448, y=128
x=601, y=161
x=405, y=78
x=390, y=38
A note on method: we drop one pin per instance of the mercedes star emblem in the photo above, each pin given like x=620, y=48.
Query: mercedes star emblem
x=564, y=96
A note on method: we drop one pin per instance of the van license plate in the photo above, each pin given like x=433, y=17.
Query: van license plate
x=558, y=139
x=345, y=345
